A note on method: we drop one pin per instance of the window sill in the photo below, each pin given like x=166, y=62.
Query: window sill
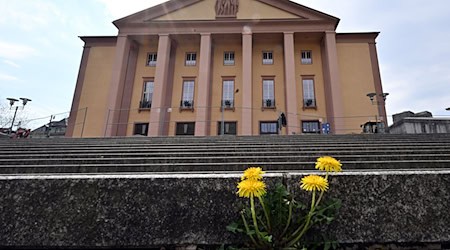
x=269, y=108
x=310, y=107
x=144, y=109
x=228, y=109
x=183, y=109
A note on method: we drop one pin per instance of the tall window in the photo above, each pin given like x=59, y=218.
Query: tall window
x=191, y=59
x=311, y=127
x=267, y=57
x=267, y=128
x=147, y=95
x=187, y=100
x=228, y=93
x=140, y=129
x=228, y=58
x=151, y=59
x=309, y=99
x=306, y=57
x=185, y=128
x=229, y=128
x=268, y=94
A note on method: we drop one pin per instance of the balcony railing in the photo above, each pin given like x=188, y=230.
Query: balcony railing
x=187, y=104
x=309, y=103
x=267, y=61
x=151, y=63
x=228, y=104
x=191, y=62
x=268, y=103
x=145, y=104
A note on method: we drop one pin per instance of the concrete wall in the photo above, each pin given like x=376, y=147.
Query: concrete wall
x=147, y=210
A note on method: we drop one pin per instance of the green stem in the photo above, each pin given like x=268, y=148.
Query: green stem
x=248, y=229
x=288, y=222
x=308, y=220
x=321, y=193
x=255, y=222
x=266, y=214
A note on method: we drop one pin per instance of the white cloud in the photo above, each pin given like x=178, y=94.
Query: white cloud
x=11, y=63
x=6, y=77
x=16, y=51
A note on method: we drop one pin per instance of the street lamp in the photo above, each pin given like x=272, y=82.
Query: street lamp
x=379, y=105
x=448, y=109
x=12, y=101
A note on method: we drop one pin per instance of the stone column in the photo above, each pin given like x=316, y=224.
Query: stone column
x=377, y=81
x=203, y=101
x=123, y=47
x=333, y=94
x=290, y=84
x=246, y=94
x=160, y=91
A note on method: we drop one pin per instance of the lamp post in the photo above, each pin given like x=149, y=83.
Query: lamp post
x=12, y=101
x=379, y=105
x=448, y=109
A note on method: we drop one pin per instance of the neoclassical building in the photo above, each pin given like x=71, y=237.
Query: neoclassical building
x=210, y=67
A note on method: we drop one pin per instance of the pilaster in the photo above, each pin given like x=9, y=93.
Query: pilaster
x=247, y=119
x=203, y=102
x=290, y=84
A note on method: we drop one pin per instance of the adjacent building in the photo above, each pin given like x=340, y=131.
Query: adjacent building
x=210, y=67
x=419, y=123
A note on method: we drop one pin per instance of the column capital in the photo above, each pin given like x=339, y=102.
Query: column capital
x=163, y=34
x=205, y=34
x=288, y=33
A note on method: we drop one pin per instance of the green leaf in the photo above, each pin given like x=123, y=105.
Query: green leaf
x=233, y=227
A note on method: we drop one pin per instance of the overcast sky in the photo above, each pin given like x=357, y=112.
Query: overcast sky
x=40, y=50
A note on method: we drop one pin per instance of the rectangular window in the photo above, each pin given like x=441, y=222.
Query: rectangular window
x=151, y=59
x=140, y=129
x=191, y=59
x=228, y=93
x=267, y=57
x=185, y=128
x=229, y=128
x=228, y=58
x=268, y=128
x=268, y=94
x=187, y=101
x=147, y=95
x=306, y=57
x=311, y=127
x=309, y=99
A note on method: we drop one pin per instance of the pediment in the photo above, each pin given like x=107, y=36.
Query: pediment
x=207, y=10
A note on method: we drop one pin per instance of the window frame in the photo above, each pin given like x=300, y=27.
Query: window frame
x=149, y=63
x=264, y=103
x=223, y=99
x=183, y=105
x=229, y=53
x=319, y=129
x=219, y=125
x=305, y=60
x=189, y=131
x=140, y=124
x=277, y=129
x=307, y=95
x=268, y=61
x=143, y=94
x=188, y=62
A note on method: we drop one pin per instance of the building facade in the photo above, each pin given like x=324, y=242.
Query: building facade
x=193, y=67
x=419, y=123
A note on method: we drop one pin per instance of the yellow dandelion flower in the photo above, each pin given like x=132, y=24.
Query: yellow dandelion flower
x=328, y=164
x=253, y=174
x=314, y=182
x=248, y=188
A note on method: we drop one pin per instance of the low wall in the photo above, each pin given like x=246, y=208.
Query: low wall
x=131, y=211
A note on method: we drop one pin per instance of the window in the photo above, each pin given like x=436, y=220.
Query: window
x=267, y=57
x=187, y=101
x=140, y=129
x=229, y=128
x=185, y=128
x=311, y=127
x=151, y=59
x=306, y=57
x=309, y=99
x=228, y=58
x=268, y=94
x=191, y=59
x=147, y=95
x=228, y=93
x=268, y=128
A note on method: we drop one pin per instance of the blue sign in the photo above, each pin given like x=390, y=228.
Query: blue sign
x=326, y=128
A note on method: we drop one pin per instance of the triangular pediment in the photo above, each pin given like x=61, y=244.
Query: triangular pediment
x=206, y=10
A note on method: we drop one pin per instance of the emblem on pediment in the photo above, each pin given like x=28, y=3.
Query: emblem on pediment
x=227, y=8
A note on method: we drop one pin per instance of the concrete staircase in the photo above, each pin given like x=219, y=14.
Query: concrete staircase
x=222, y=154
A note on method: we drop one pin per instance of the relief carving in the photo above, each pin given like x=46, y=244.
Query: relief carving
x=227, y=7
